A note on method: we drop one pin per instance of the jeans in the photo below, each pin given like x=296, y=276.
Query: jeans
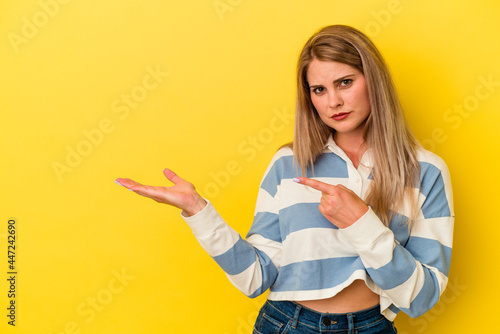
x=284, y=317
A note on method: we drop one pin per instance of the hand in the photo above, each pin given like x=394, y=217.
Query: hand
x=182, y=194
x=340, y=205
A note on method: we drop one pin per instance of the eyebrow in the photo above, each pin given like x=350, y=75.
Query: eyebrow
x=335, y=81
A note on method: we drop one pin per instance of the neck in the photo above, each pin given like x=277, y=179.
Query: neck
x=350, y=142
x=353, y=145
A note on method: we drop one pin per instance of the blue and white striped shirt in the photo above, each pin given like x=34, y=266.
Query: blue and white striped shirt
x=297, y=253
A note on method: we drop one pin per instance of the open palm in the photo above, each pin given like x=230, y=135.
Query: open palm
x=182, y=194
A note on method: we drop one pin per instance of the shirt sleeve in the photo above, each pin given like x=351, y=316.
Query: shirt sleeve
x=412, y=277
x=251, y=265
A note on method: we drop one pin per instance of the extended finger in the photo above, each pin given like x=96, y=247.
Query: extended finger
x=156, y=193
x=128, y=183
x=318, y=185
x=174, y=178
x=140, y=189
x=345, y=188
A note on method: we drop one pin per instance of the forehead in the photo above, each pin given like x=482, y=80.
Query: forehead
x=319, y=70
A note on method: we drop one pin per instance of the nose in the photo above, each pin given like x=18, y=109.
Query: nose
x=335, y=99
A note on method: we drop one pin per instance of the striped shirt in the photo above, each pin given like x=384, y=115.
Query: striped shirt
x=294, y=251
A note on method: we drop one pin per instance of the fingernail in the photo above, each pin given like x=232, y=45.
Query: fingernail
x=119, y=183
x=296, y=179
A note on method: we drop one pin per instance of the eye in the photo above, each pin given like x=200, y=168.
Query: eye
x=345, y=83
x=318, y=90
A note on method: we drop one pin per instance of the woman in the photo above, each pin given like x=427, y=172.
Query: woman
x=379, y=241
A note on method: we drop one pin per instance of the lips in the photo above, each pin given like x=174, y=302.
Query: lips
x=340, y=116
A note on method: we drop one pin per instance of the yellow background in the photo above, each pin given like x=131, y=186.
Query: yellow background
x=217, y=110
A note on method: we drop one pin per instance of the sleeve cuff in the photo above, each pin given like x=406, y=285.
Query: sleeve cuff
x=365, y=231
x=205, y=222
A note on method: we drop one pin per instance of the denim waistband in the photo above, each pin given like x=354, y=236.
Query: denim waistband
x=327, y=321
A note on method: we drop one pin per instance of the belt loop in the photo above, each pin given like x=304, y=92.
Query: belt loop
x=296, y=316
x=350, y=320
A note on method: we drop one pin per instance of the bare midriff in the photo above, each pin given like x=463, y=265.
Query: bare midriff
x=355, y=297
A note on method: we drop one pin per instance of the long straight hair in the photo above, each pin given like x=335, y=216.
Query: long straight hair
x=394, y=148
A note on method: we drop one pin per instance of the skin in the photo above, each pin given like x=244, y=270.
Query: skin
x=182, y=194
x=336, y=89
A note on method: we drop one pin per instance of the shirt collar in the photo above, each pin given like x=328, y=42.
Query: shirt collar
x=330, y=143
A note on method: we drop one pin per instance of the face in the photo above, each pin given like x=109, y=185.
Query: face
x=340, y=96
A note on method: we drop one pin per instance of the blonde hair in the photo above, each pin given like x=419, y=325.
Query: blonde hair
x=395, y=166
